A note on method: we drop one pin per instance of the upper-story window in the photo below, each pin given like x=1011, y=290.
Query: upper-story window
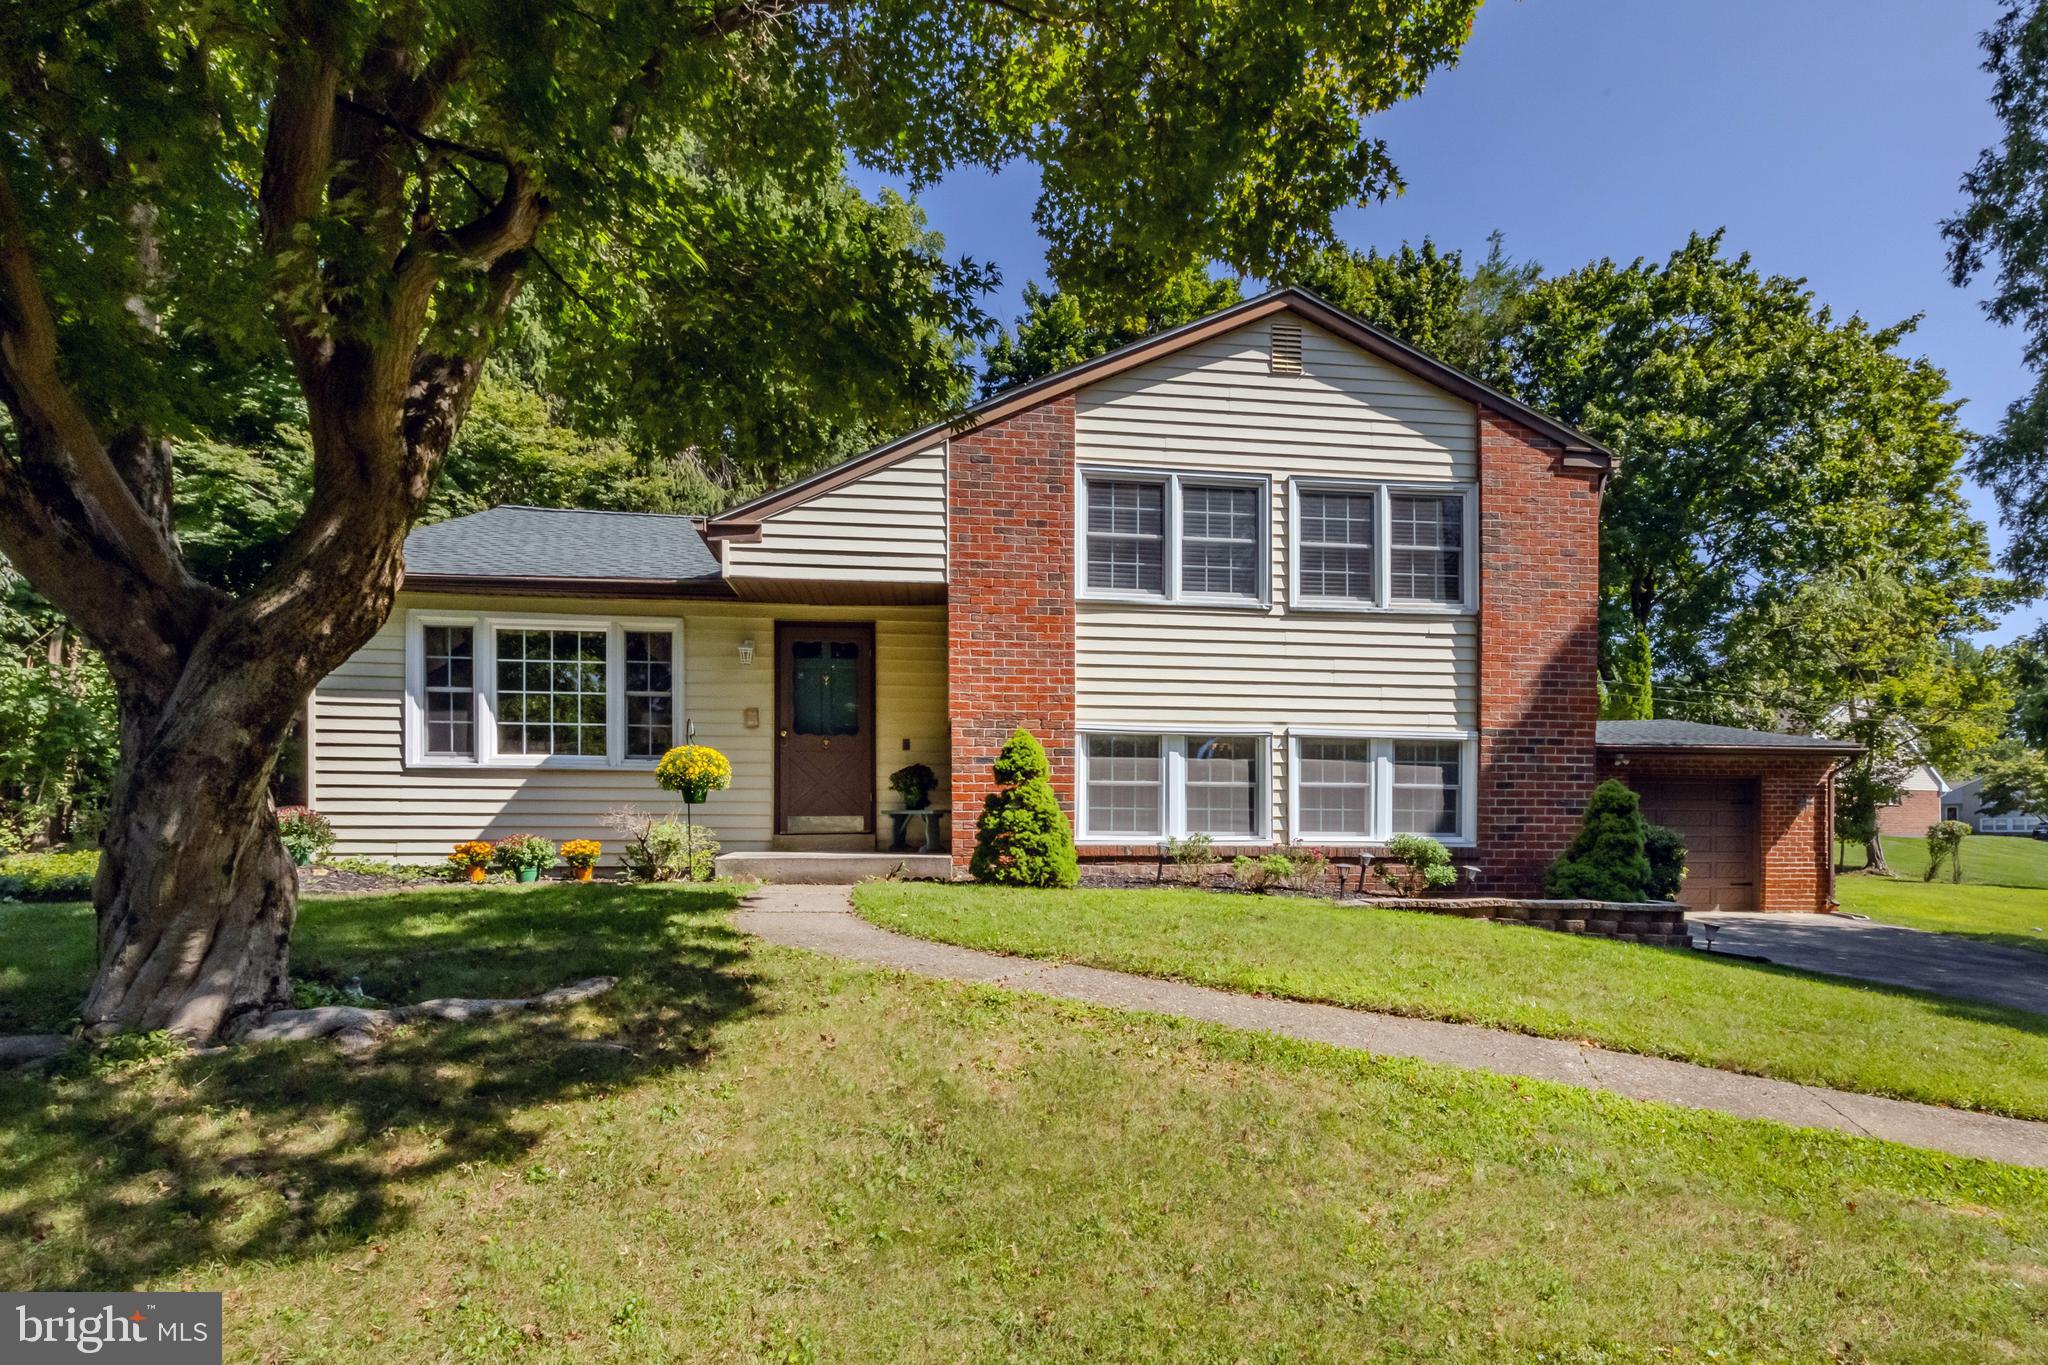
x=1367, y=547
x=1174, y=537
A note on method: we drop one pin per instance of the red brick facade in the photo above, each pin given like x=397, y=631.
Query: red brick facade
x=1795, y=814
x=1911, y=816
x=1539, y=594
x=1010, y=600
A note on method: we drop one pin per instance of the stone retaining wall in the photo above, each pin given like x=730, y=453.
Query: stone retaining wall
x=1658, y=923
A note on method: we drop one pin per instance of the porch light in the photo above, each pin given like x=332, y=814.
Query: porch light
x=746, y=653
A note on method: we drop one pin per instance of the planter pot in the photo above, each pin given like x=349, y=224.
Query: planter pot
x=302, y=859
x=477, y=874
x=583, y=873
x=528, y=874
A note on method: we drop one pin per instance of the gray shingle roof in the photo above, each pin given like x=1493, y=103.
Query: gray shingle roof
x=548, y=542
x=1687, y=734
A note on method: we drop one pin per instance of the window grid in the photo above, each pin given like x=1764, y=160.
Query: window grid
x=1125, y=785
x=1426, y=789
x=552, y=692
x=650, y=693
x=1221, y=786
x=449, y=654
x=1335, y=545
x=1174, y=537
x=1426, y=540
x=1333, y=787
x=1219, y=540
x=1127, y=536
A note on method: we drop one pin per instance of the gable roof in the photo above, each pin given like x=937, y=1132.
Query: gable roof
x=569, y=548
x=1689, y=734
x=746, y=517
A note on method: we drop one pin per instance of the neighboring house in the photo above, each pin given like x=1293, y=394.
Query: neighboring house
x=1269, y=576
x=1921, y=796
x=1965, y=802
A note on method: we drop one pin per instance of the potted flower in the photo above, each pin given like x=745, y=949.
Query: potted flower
x=914, y=784
x=582, y=855
x=473, y=856
x=305, y=833
x=525, y=856
x=694, y=771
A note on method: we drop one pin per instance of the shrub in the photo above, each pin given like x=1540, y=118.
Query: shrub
x=1605, y=861
x=914, y=784
x=658, y=850
x=1945, y=844
x=1197, y=850
x=304, y=832
x=471, y=854
x=1415, y=865
x=49, y=876
x=519, y=851
x=395, y=871
x=1665, y=848
x=695, y=770
x=1023, y=838
x=582, y=853
x=1292, y=866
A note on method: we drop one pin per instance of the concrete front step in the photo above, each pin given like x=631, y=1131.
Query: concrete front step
x=834, y=869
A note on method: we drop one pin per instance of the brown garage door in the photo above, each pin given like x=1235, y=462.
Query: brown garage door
x=1718, y=820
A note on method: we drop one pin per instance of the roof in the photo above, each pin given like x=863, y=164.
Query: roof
x=743, y=519
x=1689, y=734
x=569, y=547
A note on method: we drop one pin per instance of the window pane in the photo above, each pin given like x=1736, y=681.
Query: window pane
x=1335, y=556
x=1426, y=787
x=824, y=688
x=1123, y=785
x=1219, y=544
x=450, y=693
x=1334, y=787
x=650, y=695
x=551, y=692
x=1223, y=785
x=1127, y=536
x=1426, y=539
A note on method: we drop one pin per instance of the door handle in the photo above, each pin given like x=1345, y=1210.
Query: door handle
x=782, y=734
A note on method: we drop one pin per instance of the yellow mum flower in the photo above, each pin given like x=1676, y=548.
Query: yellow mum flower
x=695, y=770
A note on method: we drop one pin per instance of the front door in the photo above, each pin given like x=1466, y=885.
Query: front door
x=824, y=728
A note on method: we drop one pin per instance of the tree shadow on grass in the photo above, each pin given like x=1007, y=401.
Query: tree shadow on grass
x=286, y=1151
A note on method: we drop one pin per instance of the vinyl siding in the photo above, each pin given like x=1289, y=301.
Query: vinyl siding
x=1349, y=416
x=888, y=524
x=382, y=808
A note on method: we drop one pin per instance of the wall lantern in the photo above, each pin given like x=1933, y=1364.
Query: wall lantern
x=746, y=653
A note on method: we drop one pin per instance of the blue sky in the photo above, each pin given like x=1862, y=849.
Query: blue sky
x=1827, y=136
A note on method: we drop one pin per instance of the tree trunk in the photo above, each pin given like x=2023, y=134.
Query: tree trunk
x=1873, y=856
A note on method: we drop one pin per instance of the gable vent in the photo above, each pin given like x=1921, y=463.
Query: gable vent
x=1286, y=348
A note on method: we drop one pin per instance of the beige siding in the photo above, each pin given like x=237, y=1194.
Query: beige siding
x=1349, y=415
x=888, y=524
x=381, y=807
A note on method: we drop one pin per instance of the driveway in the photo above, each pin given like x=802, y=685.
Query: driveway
x=1885, y=953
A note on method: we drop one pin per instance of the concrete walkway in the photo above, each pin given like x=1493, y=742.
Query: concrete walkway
x=1946, y=964
x=821, y=919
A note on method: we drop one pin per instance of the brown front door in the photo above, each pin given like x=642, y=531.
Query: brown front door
x=824, y=728
x=1718, y=820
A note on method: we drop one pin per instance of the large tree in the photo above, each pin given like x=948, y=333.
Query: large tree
x=1060, y=327
x=365, y=186
x=2003, y=228
x=1427, y=296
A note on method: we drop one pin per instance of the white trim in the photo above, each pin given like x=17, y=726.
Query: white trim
x=1173, y=758
x=484, y=649
x=1172, y=481
x=1383, y=545
x=1380, y=800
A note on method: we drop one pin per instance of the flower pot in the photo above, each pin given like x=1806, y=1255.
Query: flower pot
x=583, y=873
x=477, y=874
x=528, y=874
x=301, y=857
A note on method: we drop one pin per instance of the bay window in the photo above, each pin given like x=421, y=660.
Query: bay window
x=1368, y=788
x=1174, y=537
x=1367, y=547
x=1142, y=788
x=510, y=691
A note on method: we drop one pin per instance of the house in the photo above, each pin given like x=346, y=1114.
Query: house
x=1270, y=576
x=1965, y=802
x=1922, y=793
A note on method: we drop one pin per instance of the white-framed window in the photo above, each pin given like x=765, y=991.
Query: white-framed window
x=1350, y=787
x=500, y=690
x=1168, y=536
x=1145, y=788
x=1382, y=546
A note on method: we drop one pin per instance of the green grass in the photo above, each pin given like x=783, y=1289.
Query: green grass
x=804, y=1161
x=1717, y=1011
x=2012, y=916
x=1988, y=859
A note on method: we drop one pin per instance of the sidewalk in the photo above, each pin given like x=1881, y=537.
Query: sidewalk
x=821, y=918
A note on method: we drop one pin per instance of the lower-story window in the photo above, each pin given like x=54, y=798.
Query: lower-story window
x=1368, y=788
x=1137, y=787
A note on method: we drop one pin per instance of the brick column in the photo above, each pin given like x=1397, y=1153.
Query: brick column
x=1539, y=601
x=1010, y=600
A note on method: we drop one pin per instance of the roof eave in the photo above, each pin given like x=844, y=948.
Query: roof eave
x=532, y=585
x=1840, y=749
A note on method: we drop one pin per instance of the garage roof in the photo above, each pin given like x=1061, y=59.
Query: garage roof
x=1690, y=734
x=568, y=547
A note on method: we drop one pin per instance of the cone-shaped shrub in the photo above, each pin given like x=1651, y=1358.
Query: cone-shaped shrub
x=1023, y=838
x=1605, y=861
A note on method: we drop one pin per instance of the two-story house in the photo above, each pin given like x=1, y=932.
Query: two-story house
x=1273, y=576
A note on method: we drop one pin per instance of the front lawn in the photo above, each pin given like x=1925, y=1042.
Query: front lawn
x=1664, y=1002
x=1988, y=859
x=797, y=1160
x=2016, y=917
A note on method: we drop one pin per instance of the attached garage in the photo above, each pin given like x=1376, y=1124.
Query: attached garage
x=1756, y=808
